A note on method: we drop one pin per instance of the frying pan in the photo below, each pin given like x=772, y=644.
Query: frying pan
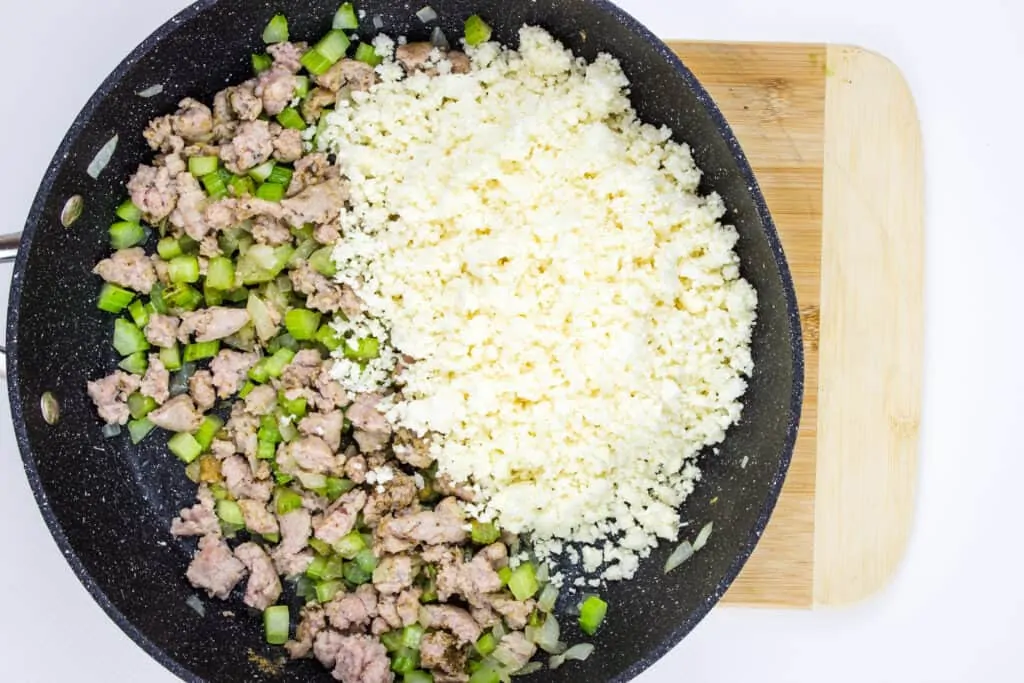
x=109, y=504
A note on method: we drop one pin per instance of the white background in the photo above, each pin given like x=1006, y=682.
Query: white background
x=956, y=608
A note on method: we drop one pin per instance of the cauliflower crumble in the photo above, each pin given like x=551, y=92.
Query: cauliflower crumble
x=575, y=309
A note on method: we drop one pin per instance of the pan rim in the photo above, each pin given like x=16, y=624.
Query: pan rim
x=766, y=506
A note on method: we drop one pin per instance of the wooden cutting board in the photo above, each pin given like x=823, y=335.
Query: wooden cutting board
x=833, y=136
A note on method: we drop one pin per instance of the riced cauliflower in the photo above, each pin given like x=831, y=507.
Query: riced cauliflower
x=574, y=307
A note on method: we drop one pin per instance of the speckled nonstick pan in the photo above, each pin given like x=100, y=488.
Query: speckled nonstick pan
x=109, y=504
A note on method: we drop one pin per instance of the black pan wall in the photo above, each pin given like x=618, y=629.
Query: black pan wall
x=109, y=504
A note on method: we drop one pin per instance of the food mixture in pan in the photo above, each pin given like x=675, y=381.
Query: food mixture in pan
x=438, y=333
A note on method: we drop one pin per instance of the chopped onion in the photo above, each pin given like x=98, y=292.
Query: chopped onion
x=548, y=598
x=179, y=382
x=439, y=39
x=578, y=652
x=678, y=556
x=504, y=658
x=102, y=158
x=546, y=636
x=378, y=21
x=110, y=431
x=344, y=94
x=499, y=631
x=543, y=573
x=262, y=318
x=151, y=91
x=196, y=604
x=703, y=536
x=531, y=668
x=311, y=480
x=72, y=210
x=427, y=15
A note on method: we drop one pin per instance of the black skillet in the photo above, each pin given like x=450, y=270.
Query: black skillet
x=108, y=504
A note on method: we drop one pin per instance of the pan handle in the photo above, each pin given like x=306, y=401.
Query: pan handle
x=9, y=247
x=8, y=251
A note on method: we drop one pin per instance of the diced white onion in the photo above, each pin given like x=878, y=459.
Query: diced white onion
x=427, y=15
x=179, y=381
x=548, y=598
x=578, y=652
x=505, y=657
x=378, y=21
x=531, y=668
x=439, y=39
x=703, y=536
x=678, y=556
x=102, y=158
x=546, y=636
x=311, y=480
x=110, y=431
x=196, y=604
x=151, y=91
x=260, y=313
x=499, y=631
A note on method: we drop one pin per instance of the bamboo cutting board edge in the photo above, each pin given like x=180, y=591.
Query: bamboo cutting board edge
x=833, y=136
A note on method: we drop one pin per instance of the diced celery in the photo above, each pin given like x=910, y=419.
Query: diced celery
x=171, y=357
x=326, y=590
x=271, y=192
x=128, y=338
x=523, y=583
x=140, y=406
x=201, y=351
x=114, y=299
x=485, y=533
x=203, y=166
x=139, y=313
x=220, y=273
x=477, y=31
x=350, y=545
x=261, y=63
x=281, y=175
x=208, y=430
x=266, y=450
x=290, y=118
x=286, y=500
x=140, y=429
x=183, y=269
x=262, y=172
x=366, y=350
x=276, y=30
x=185, y=446
x=241, y=186
x=129, y=212
x=366, y=53
x=334, y=45
x=345, y=18
x=302, y=324
x=276, y=624
x=124, y=235
x=336, y=487
x=315, y=62
x=592, y=614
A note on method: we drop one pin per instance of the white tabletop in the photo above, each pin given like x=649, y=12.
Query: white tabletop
x=954, y=612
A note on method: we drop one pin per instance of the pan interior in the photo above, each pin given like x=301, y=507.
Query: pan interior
x=110, y=503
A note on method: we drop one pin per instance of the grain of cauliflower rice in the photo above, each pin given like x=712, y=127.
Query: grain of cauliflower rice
x=574, y=307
